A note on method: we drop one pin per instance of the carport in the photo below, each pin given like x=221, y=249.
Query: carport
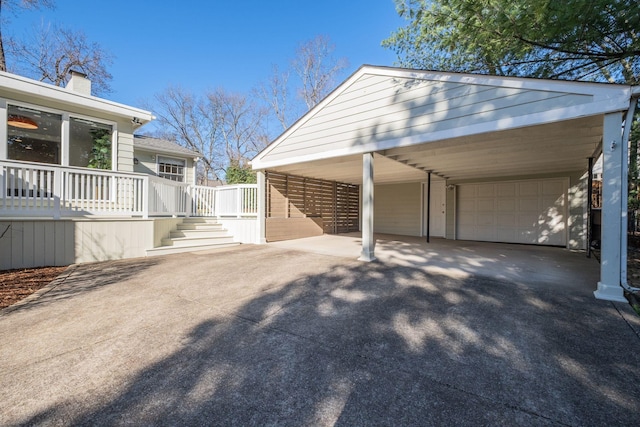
x=460, y=156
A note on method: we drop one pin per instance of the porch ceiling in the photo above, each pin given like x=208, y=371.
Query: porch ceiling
x=543, y=149
x=349, y=169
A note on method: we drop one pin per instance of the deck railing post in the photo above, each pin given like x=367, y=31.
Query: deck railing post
x=189, y=199
x=58, y=194
x=146, y=194
x=216, y=203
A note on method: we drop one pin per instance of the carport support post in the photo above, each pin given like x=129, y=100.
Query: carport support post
x=614, y=217
x=262, y=203
x=589, y=206
x=428, y=231
x=368, y=241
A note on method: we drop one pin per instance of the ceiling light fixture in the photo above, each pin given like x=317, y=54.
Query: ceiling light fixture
x=22, y=122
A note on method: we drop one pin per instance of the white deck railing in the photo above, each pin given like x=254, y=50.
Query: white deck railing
x=236, y=200
x=168, y=197
x=40, y=190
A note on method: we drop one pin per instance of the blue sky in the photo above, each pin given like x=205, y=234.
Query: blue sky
x=202, y=45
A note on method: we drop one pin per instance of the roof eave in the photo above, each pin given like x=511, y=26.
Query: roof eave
x=191, y=154
x=23, y=86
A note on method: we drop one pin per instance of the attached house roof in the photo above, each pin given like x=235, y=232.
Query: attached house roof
x=458, y=126
x=22, y=87
x=162, y=146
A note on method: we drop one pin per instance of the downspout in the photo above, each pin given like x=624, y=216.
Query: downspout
x=635, y=93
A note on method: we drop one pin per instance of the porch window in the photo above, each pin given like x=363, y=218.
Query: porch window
x=89, y=144
x=172, y=169
x=33, y=135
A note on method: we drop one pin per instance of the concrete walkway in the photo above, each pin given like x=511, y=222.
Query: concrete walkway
x=263, y=335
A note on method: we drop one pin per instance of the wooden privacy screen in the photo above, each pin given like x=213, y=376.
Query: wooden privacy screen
x=304, y=207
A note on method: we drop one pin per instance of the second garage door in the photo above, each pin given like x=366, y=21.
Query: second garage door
x=531, y=211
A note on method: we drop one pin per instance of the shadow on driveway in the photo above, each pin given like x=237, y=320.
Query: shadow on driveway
x=338, y=342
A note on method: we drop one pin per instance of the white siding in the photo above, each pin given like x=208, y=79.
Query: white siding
x=379, y=108
x=397, y=209
x=125, y=151
x=147, y=163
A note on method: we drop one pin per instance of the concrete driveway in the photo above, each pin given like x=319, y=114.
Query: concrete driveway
x=263, y=335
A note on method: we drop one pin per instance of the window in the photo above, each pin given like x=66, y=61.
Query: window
x=172, y=169
x=89, y=144
x=36, y=135
x=33, y=135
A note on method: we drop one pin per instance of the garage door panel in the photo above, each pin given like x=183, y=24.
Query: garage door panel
x=485, y=205
x=467, y=219
x=548, y=237
x=486, y=233
x=553, y=201
x=528, y=189
x=552, y=187
x=507, y=189
x=528, y=222
x=506, y=205
x=529, y=237
x=486, y=220
x=529, y=205
x=486, y=190
x=505, y=235
x=464, y=192
x=518, y=212
x=507, y=220
x=467, y=205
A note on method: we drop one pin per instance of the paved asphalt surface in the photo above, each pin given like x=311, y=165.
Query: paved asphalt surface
x=261, y=335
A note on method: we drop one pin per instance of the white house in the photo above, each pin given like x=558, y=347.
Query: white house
x=457, y=156
x=163, y=158
x=76, y=185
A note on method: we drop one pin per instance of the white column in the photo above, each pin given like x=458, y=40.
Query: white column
x=65, y=143
x=614, y=217
x=261, y=226
x=368, y=242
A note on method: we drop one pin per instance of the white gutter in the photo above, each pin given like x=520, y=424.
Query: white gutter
x=14, y=84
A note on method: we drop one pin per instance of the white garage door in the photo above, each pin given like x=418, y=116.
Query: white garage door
x=532, y=211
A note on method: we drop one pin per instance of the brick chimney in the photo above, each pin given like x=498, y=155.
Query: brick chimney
x=79, y=83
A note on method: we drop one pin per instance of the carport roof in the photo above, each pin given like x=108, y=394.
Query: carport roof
x=458, y=126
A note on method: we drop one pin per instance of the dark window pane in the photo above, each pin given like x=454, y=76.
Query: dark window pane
x=33, y=136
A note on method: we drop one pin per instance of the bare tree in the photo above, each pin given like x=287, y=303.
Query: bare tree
x=241, y=125
x=275, y=93
x=317, y=68
x=12, y=6
x=183, y=118
x=51, y=52
x=225, y=128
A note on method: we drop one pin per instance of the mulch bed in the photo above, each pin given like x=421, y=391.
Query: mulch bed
x=18, y=284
